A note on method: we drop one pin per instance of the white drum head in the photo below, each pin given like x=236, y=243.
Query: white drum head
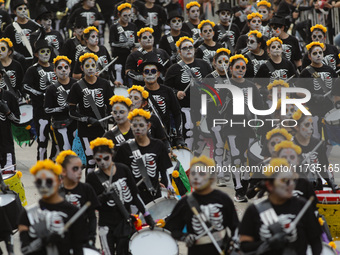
x=161, y=207
x=26, y=113
x=121, y=91
x=153, y=242
x=184, y=156
x=7, y=176
x=88, y=251
x=6, y=199
x=256, y=149
x=333, y=117
x=326, y=250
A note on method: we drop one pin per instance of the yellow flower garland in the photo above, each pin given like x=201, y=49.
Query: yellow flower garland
x=253, y=15
x=264, y=3
x=273, y=39
x=89, y=29
x=119, y=99
x=275, y=163
x=124, y=6
x=256, y=33
x=139, y=112
x=276, y=83
x=191, y=4
x=141, y=89
x=88, y=55
x=62, y=58
x=101, y=141
x=238, y=56
x=145, y=29
x=62, y=155
x=318, y=26
x=46, y=164
x=312, y=44
x=8, y=41
x=202, y=159
x=281, y=131
x=288, y=144
x=182, y=39
x=223, y=50
x=200, y=25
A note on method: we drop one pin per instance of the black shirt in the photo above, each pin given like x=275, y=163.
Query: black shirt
x=330, y=57
x=91, y=16
x=5, y=20
x=291, y=49
x=165, y=45
x=15, y=74
x=232, y=35
x=254, y=63
x=194, y=32
x=72, y=49
x=207, y=52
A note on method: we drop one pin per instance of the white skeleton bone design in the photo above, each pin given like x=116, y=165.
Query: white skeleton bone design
x=60, y=99
x=12, y=78
x=18, y=38
x=214, y=215
x=186, y=78
x=279, y=74
x=256, y=64
x=161, y=102
x=97, y=95
x=2, y=116
x=73, y=199
x=230, y=34
x=102, y=62
x=129, y=35
x=122, y=190
x=79, y=49
x=90, y=17
x=52, y=40
x=208, y=55
x=287, y=51
x=149, y=162
x=329, y=61
x=51, y=76
x=152, y=19
x=326, y=78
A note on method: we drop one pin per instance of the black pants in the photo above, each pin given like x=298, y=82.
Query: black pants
x=111, y=244
x=7, y=159
x=65, y=136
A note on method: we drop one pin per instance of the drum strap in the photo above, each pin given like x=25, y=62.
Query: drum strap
x=270, y=67
x=42, y=74
x=142, y=50
x=118, y=135
x=316, y=76
x=226, y=37
x=193, y=203
x=120, y=30
x=251, y=57
x=171, y=42
x=61, y=90
x=266, y=212
x=140, y=163
x=7, y=80
x=195, y=34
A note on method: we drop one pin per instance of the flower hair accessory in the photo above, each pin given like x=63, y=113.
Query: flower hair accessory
x=123, y=6
x=145, y=29
x=264, y=3
x=46, y=164
x=256, y=33
x=62, y=155
x=276, y=83
x=275, y=164
x=58, y=58
x=88, y=55
x=101, y=141
x=139, y=112
x=191, y=4
x=141, y=89
x=238, y=56
x=223, y=50
x=200, y=25
x=273, y=39
x=280, y=131
x=253, y=15
x=89, y=29
x=288, y=144
x=8, y=41
x=202, y=159
x=182, y=39
x=320, y=27
x=312, y=44
x=120, y=99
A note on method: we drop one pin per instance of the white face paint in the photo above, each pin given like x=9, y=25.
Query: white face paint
x=222, y=63
x=306, y=128
x=291, y=156
x=194, y=13
x=255, y=23
x=93, y=39
x=274, y=140
x=90, y=67
x=275, y=49
x=176, y=23
x=73, y=169
x=125, y=16
x=46, y=23
x=290, y=109
x=3, y=50
x=284, y=185
x=136, y=98
x=199, y=177
x=264, y=12
x=277, y=30
x=224, y=16
x=120, y=113
x=103, y=160
x=90, y=3
x=46, y=183
x=150, y=73
x=139, y=126
x=62, y=70
x=243, y=3
x=133, y=14
x=44, y=54
x=207, y=32
x=79, y=31
x=318, y=36
x=21, y=11
x=316, y=55
x=187, y=50
x=147, y=40
x=252, y=42
x=238, y=70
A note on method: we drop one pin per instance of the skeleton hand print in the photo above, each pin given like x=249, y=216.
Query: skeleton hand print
x=287, y=51
x=55, y=221
x=53, y=41
x=73, y=199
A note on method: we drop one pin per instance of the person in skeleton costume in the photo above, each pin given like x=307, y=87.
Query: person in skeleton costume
x=226, y=32
x=88, y=102
x=55, y=104
x=190, y=26
x=207, y=49
x=10, y=68
x=123, y=36
x=5, y=18
x=241, y=10
x=36, y=80
x=266, y=228
x=276, y=67
x=145, y=157
x=264, y=8
x=272, y=138
x=168, y=40
x=41, y=226
x=330, y=52
x=116, y=191
x=78, y=193
x=214, y=206
x=19, y=31
x=146, y=40
x=74, y=46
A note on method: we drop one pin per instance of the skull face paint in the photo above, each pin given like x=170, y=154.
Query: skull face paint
x=147, y=40
x=305, y=128
x=187, y=50
x=207, y=32
x=194, y=13
x=90, y=3
x=291, y=156
x=255, y=23
x=316, y=55
x=21, y=11
x=199, y=177
x=277, y=30
x=318, y=36
x=103, y=160
x=73, y=169
x=3, y=50
x=44, y=54
x=79, y=31
x=136, y=98
x=150, y=73
x=90, y=67
x=93, y=39
x=222, y=63
x=125, y=16
x=274, y=140
x=46, y=182
x=252, y=42
x=63, y=70
x=176, y=23
x=284, y=185
x=275, y=49
x=46, y=23
x=139, y=126
x=290, y=109
x=224, y=16
x=264, y=12
x=120, y=113
x=238, y=70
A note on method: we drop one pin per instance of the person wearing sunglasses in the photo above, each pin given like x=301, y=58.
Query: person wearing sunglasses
x=78, y=193
x=41, y=227
x=114, y=177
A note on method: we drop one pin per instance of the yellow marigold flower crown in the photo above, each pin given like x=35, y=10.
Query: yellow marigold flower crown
x=2, y=1
x=273, y=39
x=320, y=27
x=298, y=114
x=101, y=141
x=120, y=99
x=141, y=89
x=261, y=3
x=58, y=58
x=145, y=29
x=88, y=55
x=124, y=6
x=139, y=112
x=253, y=15
x=203, y=22
x=280, y=131
x=182, y=39
x=191, y=4
x=223, y=50
x=277, y=83
x=89, y=29
x=312, y=44
x=62, y=155
x=46, y=164
x=8, y=41
x=256, y=33
x=274, y=163
x=288, y=144
x=238, y=56
x=202, y=159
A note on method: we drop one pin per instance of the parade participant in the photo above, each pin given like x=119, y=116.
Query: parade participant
x=78, y=193
x=221, y=64
x=168, y=40
x=214, y=206
x=146, y=157
x=266, y=227
x=42, y=225
x=116, y=191
x=9, y=113
x=5, y=18
x=207, y=49
x=264, y=8
x=272, y=138
x=10, y=68
x=190, y=26
x=241, y=10
x=123, y=36
x=88, y=102
x=226, y=32
x=56, y=106
x=146, y=40
x=330, y=52
x=36, y=80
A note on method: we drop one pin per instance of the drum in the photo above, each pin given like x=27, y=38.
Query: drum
x=184, y=156
x=23, y=133
x=332, y=122
x=153, y=242
x=326, y=250
x=12, y=179
x=254, y=154
x=121, y=91
x=88, y=251
x=328, y=197
x=26, y=114
x=10, y=210
x=161, y=207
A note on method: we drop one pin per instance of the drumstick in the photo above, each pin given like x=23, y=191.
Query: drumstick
x=101, y=120
x=325, y=95
x=7, y=167
x=76, y=215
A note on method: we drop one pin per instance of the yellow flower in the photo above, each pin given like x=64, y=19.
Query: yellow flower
x=191, y=4
x=274, y=165
x=62, y=155
x=119, y=99
x=332, y=244
x=223, y=50
x=288, y=144
x=88, y=55
x=143, y=30
x=175, y=174
x=62, y=58
x=28, y=127
x=281, y=131
x=182, y=39
x=89, y=29
x=205, y=22
x=297, y=115
x=139, y=112
x=256, y=33
x=101, y=141
x=253, y=15
x=19, y=174
x=238, y=56
x=123, y=6
x=321, y=221
x=277, y=83
x=8, y=41
x=46, y=164
x=141, y=89
x=202, y=159
x=318, y=26
x=161, y=223
x=265, y=3
x=312, y=44
x=273, y=39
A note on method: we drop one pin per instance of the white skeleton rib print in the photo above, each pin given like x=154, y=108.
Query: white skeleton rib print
x=279, y=74
x=97, y=95
x=287, y=51
x=121, y=189
x=326, y=78
x=161, y=102
x=185, y=76
x=149, y=162
x=329, y=61
x=230, y=34
x=129, y=35
x=152, y=19
x=90, y=17
x=18, y=38
x=52, y=40
x=73, y=199
x=214, y=215
x=51, y=76
x=12, y=78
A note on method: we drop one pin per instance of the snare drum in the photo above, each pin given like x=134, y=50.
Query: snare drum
x=332, y=122
x=328, y=197
x=88, y=251
x=153, y=242
x=254, y=154
x=326, y=250
x=12, y=179
x=161, y=207
x=10, y=210
x=121, y=91
x=184, y=156
x=23, y=132
x=26, y=114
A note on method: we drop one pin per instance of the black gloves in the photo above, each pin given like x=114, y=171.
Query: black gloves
x=179, y=142
x=149, y=220
x=93, y=121
x=4, y=107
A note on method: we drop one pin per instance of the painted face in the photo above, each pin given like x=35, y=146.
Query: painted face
x=139, y=126
x=194, y=13
x=222, y=63
x=44, y=54
x=252, y=42
x=199, y=177
x=93, y=39
x=90, y=67
x=147, y=40
x=238, y=70
x=207, y=32
x=103, y=160
x=46, y=183
x=291, y=156
x=120, y=113
x=264, y=12
x=187, y=50
x=3, y=50
x=255, y=23
x=73, y=169
x=225, y=16
x=133, y=14
x=277, y=30
x=243, y=3
x=176, y=23
x=290, y=109
x=316, y=55
x=46, y=23
x=284, y=185
x=62, y=70
x=150, y=73
x=136, y=99
x=21, y=11
x=125, y=16
x=318, y=36
x=79, y=31
x=275, y=49
x=2, y=6
x=306, y=128
x=274, y=140
x=90, y=3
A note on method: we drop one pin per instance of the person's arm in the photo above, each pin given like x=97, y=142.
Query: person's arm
x=176, y=113
x=50, y=98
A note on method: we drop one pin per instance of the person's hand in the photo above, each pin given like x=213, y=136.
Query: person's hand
x=96, y=23
x=149, y=220
x=181, y=95
x=3, y=187
x=4, y=107
x=238, y=14
x=117, y=83
x=93, y=121
x=190, y=240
